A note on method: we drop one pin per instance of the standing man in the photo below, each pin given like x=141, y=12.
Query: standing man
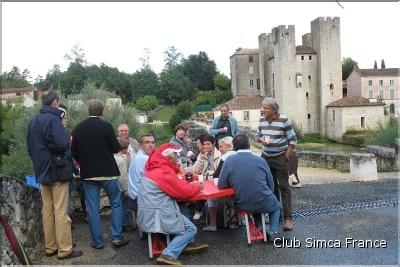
x=137, y=168
x=278, y=140
x=47, y=137
x=224, y=125
x=94, y=145
x=123, y=133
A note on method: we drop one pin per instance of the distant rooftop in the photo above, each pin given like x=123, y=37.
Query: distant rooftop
x=354, y=101
x=300, y=49
x=17, y=90
x=244, y=102
x=378, y=72
x=246, y=51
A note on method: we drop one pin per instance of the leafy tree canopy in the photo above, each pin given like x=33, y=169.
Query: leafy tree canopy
x=222, y=82
x=146, y=103
x=200, y=70
x=15, y=78
x=348, y=64
x=175, y=86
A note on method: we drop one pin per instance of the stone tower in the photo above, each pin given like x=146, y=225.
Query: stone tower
x=325, y=40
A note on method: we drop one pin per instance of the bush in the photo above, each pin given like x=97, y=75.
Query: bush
x=214, y=98
x=386, y=136
x=183, y=112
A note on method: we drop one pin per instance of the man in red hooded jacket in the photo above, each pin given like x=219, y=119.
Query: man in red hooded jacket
x=158, y=211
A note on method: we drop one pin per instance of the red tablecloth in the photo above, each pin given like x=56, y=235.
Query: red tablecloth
x=210, y=191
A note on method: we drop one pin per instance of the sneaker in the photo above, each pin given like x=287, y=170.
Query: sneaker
x=288, y=226
x=294, y=181
x=210, y=228
x=168, y=260
x=197, y=215
x=276, y=237
x=120, y=243
x=73, y=254
x=51, y=254
x=195, y=247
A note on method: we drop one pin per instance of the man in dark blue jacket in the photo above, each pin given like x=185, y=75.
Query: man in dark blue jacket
x=253, y=183
x=46, y=137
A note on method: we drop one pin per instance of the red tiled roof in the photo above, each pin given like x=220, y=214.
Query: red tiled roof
x=17, y=90
x=354, y=101
x=244, y=102
x=379, y=72
x=300, y=49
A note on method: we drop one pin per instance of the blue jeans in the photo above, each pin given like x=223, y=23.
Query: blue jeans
x=184, y=210
x=92, y=195
x=179, y=242
x=274, y=211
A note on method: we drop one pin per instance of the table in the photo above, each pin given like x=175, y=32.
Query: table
x=210, y=191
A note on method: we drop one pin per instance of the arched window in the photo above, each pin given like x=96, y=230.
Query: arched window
x=331, y=86
x=392, y=109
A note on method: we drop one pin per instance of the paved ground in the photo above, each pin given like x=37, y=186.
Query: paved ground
x=334, y=210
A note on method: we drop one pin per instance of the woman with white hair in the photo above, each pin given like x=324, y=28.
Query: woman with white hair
x=225, y=147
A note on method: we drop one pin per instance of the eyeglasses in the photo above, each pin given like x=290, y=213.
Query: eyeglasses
x=149, y=142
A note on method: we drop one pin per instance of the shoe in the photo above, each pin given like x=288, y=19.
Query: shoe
x=288, y=226
x=73, y=254
x=197, y=215
x=276, y=237
x=210, y=228
x=195, y=247
x=168, y=260
x=51, y=254
x=101, y=246
x=120, y=243
x=294, y=181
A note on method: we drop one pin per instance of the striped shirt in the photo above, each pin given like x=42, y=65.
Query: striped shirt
x=280, y=132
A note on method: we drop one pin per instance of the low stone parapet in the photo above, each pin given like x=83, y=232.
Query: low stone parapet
x=363, y=167
x=326, y=160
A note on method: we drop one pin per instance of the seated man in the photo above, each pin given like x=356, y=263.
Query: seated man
x=158, y=210
x=253, y=184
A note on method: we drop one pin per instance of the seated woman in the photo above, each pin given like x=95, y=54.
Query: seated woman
x=225, y=147
x=180, y=140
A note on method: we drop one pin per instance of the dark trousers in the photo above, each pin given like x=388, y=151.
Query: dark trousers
x=279, y=169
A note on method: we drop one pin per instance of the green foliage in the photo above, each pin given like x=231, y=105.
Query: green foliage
x=212, y=97
x=175, y=86
x=184, y=110
x=15, y=79
x=147, y=103
x=76, y=55
x=144, y=82
x=162, y=132
x=163, y=114
x=348, y=64
x=200, y=70
x=308, y=138
x=222, y=82
x=386, y=135
x=172, y=57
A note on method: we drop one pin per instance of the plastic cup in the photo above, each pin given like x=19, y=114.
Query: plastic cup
x=266, y=138
x=201, y=178
x=216, y=181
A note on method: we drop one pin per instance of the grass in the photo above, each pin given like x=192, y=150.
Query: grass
x=312, y=138
x=162, y=132
x=164, y=114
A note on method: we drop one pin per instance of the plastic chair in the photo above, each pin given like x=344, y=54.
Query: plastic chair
x=252, y=231
x=156, y=243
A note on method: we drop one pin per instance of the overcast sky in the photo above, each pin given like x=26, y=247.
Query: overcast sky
x=38, y=35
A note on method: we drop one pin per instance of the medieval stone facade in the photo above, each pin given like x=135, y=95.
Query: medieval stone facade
x=304, y=79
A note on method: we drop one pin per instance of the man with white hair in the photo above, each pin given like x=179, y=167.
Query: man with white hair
x=158, y=211
x=278, y=140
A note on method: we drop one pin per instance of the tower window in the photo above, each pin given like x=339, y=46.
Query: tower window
x=308, y=116
x=310, y=57
x=251, y=83
x=258, y=83
x=309, y=77
x=362, y=122
x=331, y=86
x=302, y=57
x=307, y=94
x=251, y=59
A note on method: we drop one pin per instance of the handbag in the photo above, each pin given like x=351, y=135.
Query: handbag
x=62, y=168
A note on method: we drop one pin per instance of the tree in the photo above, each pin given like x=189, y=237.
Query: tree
x=200, y=70
x=383, y=64
x=145, y=59
x=183, y=112
x=222, y=82
x=76, y=55
x=348, y=65
x=175, y=86
x=15, y=79
x=144, y=82
x=172, y=57
x=54, y=79
x=375, y=65
x=146, y=103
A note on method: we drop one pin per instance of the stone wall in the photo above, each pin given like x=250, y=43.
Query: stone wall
x=21, y=205
x=386, y=158
x=327, y=160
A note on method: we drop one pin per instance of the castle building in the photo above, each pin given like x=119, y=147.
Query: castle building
x=304, y=78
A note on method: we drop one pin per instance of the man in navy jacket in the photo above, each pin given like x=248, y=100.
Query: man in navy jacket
x=46, y=137
x=93, y=146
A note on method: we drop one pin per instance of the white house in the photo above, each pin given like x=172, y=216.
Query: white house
x=18, y=95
